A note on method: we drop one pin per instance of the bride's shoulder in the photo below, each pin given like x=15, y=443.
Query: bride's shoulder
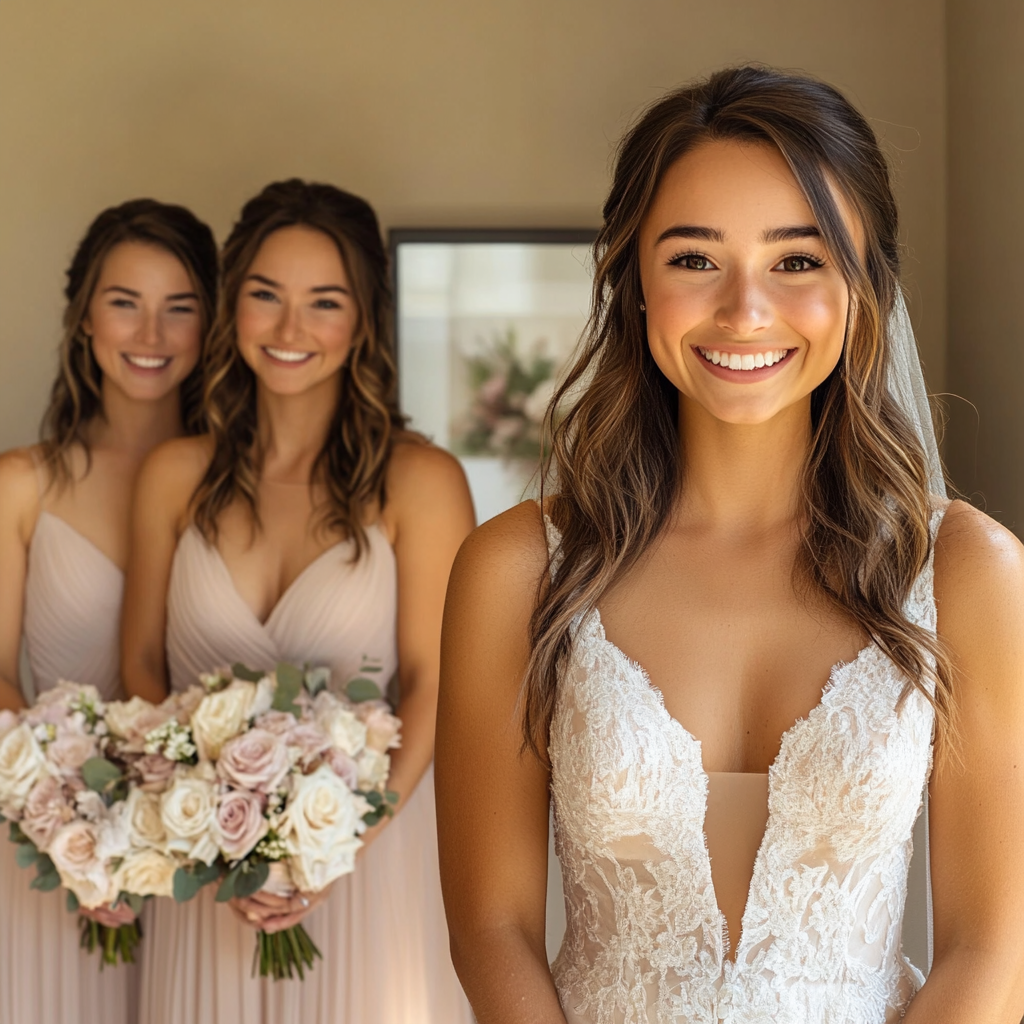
x=979, y=578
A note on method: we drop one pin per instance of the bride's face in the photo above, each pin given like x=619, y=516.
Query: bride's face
x=746, y=315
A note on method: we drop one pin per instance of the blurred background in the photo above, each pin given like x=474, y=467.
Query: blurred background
x=462, y=113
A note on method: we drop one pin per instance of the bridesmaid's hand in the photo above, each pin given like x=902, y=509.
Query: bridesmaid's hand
x=110, y=917
x=269, y=913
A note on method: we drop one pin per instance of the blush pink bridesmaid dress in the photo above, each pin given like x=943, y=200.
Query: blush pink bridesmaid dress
x=382, y=930
x=72, y=615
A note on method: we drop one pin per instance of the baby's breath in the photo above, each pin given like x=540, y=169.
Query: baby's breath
x=172, y=740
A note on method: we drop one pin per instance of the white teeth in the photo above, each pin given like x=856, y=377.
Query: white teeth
x=287, y=356
x=148, y=362
x=735, y=361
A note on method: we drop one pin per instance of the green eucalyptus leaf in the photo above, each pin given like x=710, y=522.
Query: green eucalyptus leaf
x=72, y=902
x=372, y=668
x=186, y=885
x=391, y=796
x=317, y=679
x=289, y=686
x=361, y=689
x=250, y=675
x=226, y=889
x=44, y=865
x=250, y=882
x=17, y=836
x=207, y=873
x=135, y=901
x=26, y=855
x=99, y=774
x=46, y=883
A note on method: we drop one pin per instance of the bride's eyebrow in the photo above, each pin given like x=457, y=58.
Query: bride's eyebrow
x=773, y=235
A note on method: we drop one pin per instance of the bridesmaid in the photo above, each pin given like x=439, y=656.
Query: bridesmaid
x=307, y=526
x=140, y=294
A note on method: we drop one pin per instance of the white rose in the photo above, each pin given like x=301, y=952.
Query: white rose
x=221, y=716
x=75, y=852
x=347, y=733
x=320, y=825
x=22, y=765
x=263, y=700
x=187, y=810
x=146, y=873
x=145, y=823
x=374, y=768
x=8, y=721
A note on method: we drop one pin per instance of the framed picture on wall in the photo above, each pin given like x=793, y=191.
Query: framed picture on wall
x=486, y=323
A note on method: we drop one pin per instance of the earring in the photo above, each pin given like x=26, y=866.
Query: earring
x=643, y=307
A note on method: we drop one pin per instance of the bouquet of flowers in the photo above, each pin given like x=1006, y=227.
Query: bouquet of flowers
x=268, y=785
x=64, y=787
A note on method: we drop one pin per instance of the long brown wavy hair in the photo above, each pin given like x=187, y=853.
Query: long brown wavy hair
x=352, y=464
x=76, y=396
x=615, y=454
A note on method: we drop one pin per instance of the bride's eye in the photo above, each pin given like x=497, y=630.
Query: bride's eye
x=691, y=261
x=799, y=263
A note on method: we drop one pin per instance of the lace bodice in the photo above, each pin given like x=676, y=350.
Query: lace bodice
x=821, y=932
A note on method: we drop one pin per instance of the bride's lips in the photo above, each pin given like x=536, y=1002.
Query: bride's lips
x=779, y=359
x=286, y=357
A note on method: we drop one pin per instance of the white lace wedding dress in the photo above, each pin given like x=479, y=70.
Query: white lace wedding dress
x=821, y=932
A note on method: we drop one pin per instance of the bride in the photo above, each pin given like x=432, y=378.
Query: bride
x=728, y=647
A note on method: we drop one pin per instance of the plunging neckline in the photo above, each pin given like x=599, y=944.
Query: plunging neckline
x=81, y=537
x=265, y=624
x=596, y=627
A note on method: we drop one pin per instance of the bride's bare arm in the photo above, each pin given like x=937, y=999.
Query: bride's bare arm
x=492, y=798
x=977, y=806
x=162, y=493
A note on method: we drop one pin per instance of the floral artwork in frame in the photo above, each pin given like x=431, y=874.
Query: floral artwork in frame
x=487, y=323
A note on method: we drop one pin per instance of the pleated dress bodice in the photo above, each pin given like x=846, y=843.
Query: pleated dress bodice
x=73, y=594
x=337, y=613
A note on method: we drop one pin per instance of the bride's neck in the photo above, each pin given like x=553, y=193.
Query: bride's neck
x=742, y=477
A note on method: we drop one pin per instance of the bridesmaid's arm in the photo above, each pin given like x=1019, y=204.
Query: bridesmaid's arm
x=19, y=510
x=492, y=797
x=977, y=805
x=429, y=514
x=162, y=495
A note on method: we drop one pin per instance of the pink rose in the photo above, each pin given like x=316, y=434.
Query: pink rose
x=132, y=720
x=344, y=767
x=69, y=751
x=76, y=854
x=239, y=823
x=155, y=772
x=382, y=727
x=307, y=741
x=255, y=760
x=45, y=811
x=277, y=722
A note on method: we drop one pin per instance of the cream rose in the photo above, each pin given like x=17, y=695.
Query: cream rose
x=374, y=768
x=8, y=721
x=239, y=824
x=382, y=727
x=22, y=765
x=146, y=873
x=320, y=826
x=131, y=721
x=76, y=856
x=221, y=716
x=144, y=819
x=187, y=810
x=46, y=809
x=341, y=725
x=257, y=760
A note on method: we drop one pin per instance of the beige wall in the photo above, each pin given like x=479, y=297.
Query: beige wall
x=439, y=111
x=985, y=438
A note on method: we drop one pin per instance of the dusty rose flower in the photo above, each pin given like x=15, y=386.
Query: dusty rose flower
x=256, y=760
x=306, y=742
x=277, y=722
x=75, y=854
x=382, y=727
x=239, y=824
x=155, y=772
x=69, y=751
x=344, y=767
x=131, y=721
x=46, y=809
x=184, y=703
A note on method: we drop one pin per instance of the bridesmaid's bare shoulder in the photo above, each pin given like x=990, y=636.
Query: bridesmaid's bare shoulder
x=425, y=481
x=19, y=490
x=171, y=473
